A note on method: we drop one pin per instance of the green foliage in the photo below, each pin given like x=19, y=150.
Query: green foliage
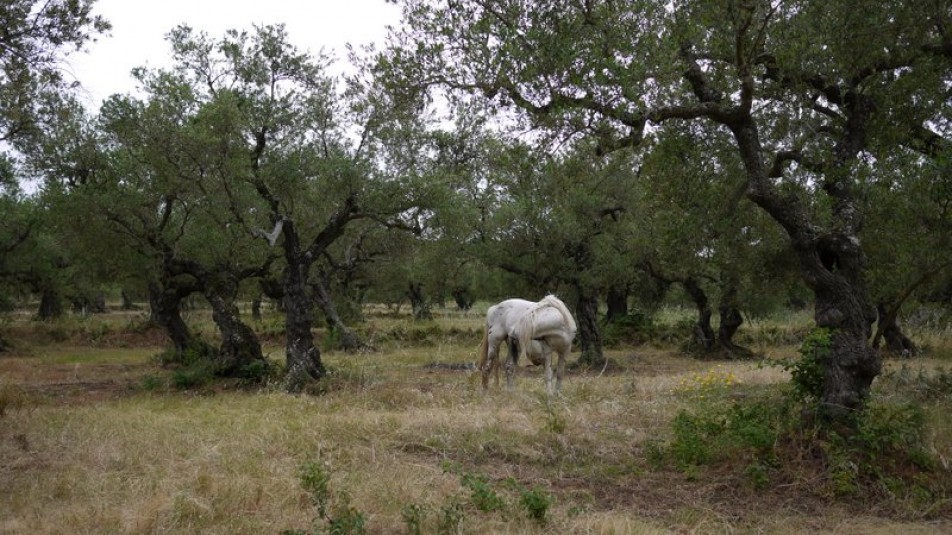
x=414, y=516
x=482, y=495
x=151, y=383
x=346, y=520
x=536, y=502
x=335, y=514
x=194, y=375
x=196, y=352
x=451, y=517
x=315, y=479
x=555, y=419
x=257, y=371
x=486, y=498
x=632, y=328
x=770, y=438
x=806, y=374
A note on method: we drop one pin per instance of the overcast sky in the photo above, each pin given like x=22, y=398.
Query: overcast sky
x=139, y=28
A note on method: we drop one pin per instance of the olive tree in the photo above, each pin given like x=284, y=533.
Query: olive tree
x=810, y=94
x=314, y=158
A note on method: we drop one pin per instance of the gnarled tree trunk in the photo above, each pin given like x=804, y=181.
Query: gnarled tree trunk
x=303, y=357
x=889, y=330
x=51, y=305
x=703, y=332
x=833, y=265
x=165, y=310
x=421, y=308
x=589, y=336
x=731, y=320
x=239, y=343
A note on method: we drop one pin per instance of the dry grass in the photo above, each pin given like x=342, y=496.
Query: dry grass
x=387, y=428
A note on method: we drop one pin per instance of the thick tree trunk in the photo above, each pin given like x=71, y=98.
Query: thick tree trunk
x=897, y=342
x=256, y=308
x=589, y=334
x=85, y=305
x=421, y=308
x=51, y=305
x=303, y=357
x=731, y=320
x=239, y=343
x=165, y=303
x=703, y=332
x=127, y=303
x=833, y=265
x=463, y=298
x=616, y=304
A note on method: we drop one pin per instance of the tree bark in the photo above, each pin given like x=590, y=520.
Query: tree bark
x=463, y=298
x=833, y=265
x=239, y=343
x=51, y=305
x=256, y=308
x=421, y=308
x=703, y=332
x=165, y=304
x=127, y=303
x=303, y=357
x=731, y=320
x=897, y=342
x=589, y=333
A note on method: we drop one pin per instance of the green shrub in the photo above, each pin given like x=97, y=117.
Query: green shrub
x=195, y=375
x=635, y=327
x=806, y=374
x=451, y=517
x=536, y=502
x=197, y=351
x=334, y=510
x=257, y=372
x=414, y=516
x=482, y=494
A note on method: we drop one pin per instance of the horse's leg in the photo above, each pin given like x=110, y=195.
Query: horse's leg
x=561, y=370
x=512, y=360
x=499, y=363
x=547, y=352
x=492, y=352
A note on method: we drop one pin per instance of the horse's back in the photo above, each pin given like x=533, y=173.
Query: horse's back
x=507, y=311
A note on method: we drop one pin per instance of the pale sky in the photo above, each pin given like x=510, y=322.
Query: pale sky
x=139, y=28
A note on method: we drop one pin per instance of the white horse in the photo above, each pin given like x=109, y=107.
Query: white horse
x=531, y=329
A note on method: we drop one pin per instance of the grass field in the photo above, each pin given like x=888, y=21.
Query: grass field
x=94, y=439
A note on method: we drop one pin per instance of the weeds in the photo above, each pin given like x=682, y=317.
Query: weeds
x=485, y=497
x=335, y=514
x=768, y=438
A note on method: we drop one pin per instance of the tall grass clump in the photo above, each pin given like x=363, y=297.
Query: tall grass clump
x=768, y=438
